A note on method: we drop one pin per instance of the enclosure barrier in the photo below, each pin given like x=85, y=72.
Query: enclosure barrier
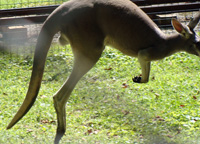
x=39, y=14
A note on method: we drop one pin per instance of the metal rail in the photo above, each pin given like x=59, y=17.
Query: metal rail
x=152, y=2
x=27, y=11
x=166, y=9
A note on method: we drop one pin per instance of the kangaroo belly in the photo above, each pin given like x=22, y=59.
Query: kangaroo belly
x=123, y=47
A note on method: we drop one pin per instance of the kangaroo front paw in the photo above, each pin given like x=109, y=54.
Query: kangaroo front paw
x=137, y=79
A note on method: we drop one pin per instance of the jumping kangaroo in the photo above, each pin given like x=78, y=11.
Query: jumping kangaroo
x=90, y=25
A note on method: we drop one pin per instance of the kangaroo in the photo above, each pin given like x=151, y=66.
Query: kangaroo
x=90, y=25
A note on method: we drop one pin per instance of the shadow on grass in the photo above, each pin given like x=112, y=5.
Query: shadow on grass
x=122, y=117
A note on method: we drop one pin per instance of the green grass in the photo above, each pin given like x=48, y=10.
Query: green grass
x=9, y=4
x=106, y=107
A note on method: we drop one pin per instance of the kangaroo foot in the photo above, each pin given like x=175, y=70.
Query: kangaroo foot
x=137, y=79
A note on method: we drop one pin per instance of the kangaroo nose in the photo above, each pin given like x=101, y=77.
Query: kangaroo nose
x=198, y=47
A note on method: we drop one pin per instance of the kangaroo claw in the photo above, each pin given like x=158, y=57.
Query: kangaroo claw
x=137, y=79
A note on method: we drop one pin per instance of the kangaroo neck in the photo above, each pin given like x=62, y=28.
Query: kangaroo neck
x=174, y=43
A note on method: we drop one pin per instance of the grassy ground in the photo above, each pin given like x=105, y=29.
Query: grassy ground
x=9, y=4
x=106, y=106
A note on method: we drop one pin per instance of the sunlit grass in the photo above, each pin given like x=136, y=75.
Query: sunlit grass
x=9, y=4
x=106, y=106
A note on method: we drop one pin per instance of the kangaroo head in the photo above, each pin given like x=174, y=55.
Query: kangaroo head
x=192, y=40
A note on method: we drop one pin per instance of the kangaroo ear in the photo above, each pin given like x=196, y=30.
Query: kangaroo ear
x=178, y=26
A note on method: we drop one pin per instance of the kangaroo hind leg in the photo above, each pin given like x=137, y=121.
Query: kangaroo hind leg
x=84, y=60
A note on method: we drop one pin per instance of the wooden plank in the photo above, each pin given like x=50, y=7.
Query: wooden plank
x=14, y=33
x=23, y=20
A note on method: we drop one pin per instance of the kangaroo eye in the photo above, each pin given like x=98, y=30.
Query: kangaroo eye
x=184, y=34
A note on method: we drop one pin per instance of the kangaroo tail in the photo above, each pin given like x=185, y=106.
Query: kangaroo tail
x=49, y=29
